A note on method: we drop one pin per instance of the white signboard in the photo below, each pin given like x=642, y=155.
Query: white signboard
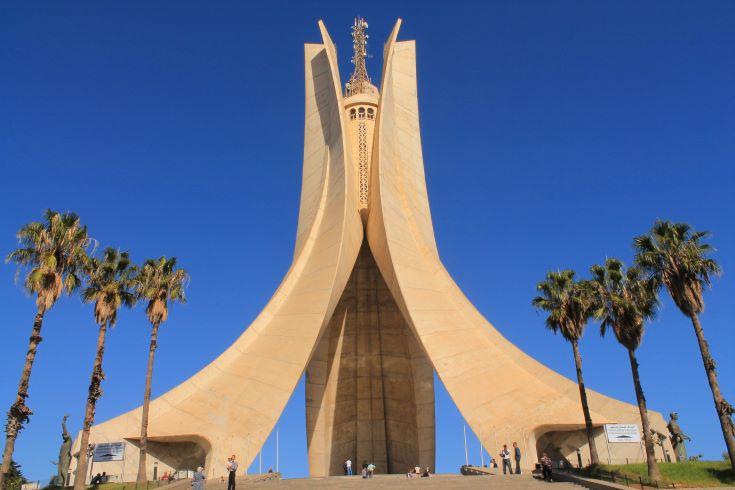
x=109, y=451
x=622, y=433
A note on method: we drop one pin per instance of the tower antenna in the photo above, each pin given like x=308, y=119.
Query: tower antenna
x=359, y=80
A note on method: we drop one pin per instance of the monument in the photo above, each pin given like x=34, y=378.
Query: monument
x=368, y=312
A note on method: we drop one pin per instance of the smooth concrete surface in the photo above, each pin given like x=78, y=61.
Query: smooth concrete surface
x=232, y=405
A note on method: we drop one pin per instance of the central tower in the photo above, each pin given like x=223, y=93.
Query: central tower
x=361, y=108
x=369, y=386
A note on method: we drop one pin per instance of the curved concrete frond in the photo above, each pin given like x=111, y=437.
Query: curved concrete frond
x=504, y=394
x=232, y=405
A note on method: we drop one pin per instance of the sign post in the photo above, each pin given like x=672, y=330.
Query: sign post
x=108, y=451
x=621, y=433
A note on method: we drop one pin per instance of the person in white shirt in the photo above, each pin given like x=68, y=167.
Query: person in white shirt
x=505, y=454
x=348, y=466
x=231, y=469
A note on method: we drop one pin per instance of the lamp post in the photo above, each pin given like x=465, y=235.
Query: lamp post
x=466, y=454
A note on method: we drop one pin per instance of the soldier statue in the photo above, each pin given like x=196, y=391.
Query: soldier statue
x=64, y=454
x=677, y=438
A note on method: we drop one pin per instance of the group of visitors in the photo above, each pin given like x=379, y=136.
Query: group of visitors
x=506, y=455
x=416, y=472
x=99, y=479
x=367, y=469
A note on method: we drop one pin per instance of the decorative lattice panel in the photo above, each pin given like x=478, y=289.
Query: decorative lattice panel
x=363, y=162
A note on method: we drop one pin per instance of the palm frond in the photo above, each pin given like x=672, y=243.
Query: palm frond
x=624, y=300
x=675, y=256
x=161, y=284
x=110, y=285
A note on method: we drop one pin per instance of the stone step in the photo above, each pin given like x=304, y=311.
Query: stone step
x=397, y=481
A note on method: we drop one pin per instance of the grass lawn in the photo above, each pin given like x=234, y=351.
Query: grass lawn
x=689, y=474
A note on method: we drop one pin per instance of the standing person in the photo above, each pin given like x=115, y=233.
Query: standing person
x=546, y=467
x=517, y=454
x=505, y=454
x=231, y=470
x=197, y=481
x=370, y=470
x=348, y=467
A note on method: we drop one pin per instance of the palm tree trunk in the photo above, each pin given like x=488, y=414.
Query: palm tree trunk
x=142, y=473
x=724, y=410
x=585, y=407
x=95, y=391
x=653, y=472
x=19, y=412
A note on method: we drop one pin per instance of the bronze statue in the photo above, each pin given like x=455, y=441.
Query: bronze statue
x=64, y=455
x=677, y=438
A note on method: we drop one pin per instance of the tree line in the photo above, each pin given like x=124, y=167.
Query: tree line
x=671, y=256
x=59, y=258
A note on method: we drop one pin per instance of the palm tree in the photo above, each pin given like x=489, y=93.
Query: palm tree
x=54, y=251
x=625, y=300
x=570, y=305
x=161, y=284
x=110, y=286
x=675, y=256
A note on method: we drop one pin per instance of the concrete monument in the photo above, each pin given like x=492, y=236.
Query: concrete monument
x=368, y=312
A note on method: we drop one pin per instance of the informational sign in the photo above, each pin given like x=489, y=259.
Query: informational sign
x=109, y=451
x=622, y=433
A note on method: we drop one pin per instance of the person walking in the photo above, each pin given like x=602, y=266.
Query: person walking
x=231, y=470
x=197, y=481
x=348, y=467
x=505, y=454
x=517, y=454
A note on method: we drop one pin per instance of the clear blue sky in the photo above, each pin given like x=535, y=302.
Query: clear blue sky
x=553, y=133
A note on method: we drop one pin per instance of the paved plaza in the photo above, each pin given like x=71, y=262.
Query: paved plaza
x=400, y=481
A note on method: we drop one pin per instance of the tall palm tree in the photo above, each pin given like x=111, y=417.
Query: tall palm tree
x=570, y=306
x=677, y=258
x=54, y=252
x=625, y=300
x=161, y=284
x=110, y=286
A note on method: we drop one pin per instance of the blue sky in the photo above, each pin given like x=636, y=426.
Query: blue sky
x=553, y=133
